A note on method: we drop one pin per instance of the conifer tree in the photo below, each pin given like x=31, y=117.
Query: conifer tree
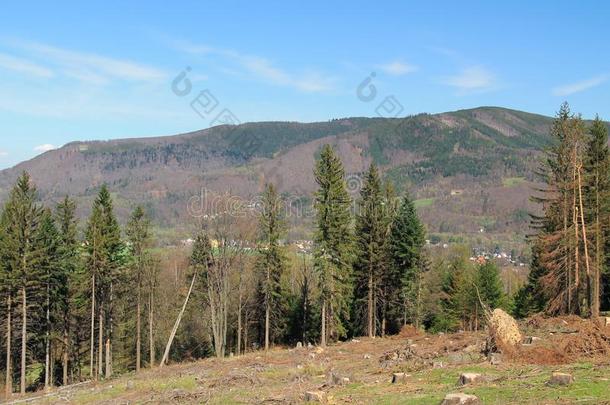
x=69, y=256
x=460, y=297
x=104, y=256
x=138, y=234
x=597, y=169
x=489, y=285
x=531, y=296
x=7, y=291
x=54, y=284
x=370, y=235
x=407, y=238
x=271, y=263
x=390, y=208
x=562, y=231
x=333, y=252
x=22, y=253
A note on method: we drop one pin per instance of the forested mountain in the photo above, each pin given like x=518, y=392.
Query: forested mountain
x=467, y=170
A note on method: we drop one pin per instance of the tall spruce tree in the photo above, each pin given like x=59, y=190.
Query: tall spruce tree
x=139, y=237
x=271, y=264
x=407, y=238
x=333, y=251
x=54, y=283
x=597, y=172
x=22, y=254
x=69, y=253
x=459, y=300
x=7, y=291
x=564, y=258
x=370, y=235
x=104, y=255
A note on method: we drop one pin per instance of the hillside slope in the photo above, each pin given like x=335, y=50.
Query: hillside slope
x=469, y=169
x=360, y=372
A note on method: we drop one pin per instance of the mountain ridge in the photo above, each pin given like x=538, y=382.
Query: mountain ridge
x=471, y=169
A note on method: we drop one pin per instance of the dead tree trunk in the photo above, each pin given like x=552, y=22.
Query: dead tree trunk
x=176, y=325
x=585, y=244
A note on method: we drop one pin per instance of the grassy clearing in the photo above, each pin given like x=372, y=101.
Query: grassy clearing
x=523, y=385
x=285, y=374
x=423, y=202
x=512, y=181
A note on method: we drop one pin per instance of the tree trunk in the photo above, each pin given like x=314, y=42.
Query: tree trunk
x=370, y=306
x=323, y=332
x=151, y=339
x=65, y=358
x=267, y=327
x=47, y=357
x=267, y=310
x=247, y=324
x=598, y=238
x=24, y=338
x=108, y=359
x=239, y=309
x=110, y=333
x=138, y=327
x=92, y=354
x=100, y=343
x=594, y=312
x=176, y=325
x=8, y=387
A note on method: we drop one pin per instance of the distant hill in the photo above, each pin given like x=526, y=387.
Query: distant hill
x=470, y=170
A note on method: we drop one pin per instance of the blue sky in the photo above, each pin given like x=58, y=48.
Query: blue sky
x=102, y=70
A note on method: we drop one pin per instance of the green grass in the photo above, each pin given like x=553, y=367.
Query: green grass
x=108, y=393
x=512, y=181
x=519, y=384
x=423, y=202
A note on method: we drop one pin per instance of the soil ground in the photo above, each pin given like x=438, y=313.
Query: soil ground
x=433, y=364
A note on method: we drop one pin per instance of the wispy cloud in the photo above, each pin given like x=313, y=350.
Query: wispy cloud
x=572, y=88
x=3, y=153
x=89, y=67
x=264, y=69
x=23, y=66
x=398, y=68
x=473, y=78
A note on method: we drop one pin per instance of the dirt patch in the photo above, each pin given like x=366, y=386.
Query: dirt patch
x=562, y=340
x=408, y=331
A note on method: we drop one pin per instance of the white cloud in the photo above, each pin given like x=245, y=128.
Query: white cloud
x=264, y=69
x=577, y=87
x=398, y=68
x=23, y=66
x=44, y=148
x=474, y=78
x=3, y=153
x=90, y=67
